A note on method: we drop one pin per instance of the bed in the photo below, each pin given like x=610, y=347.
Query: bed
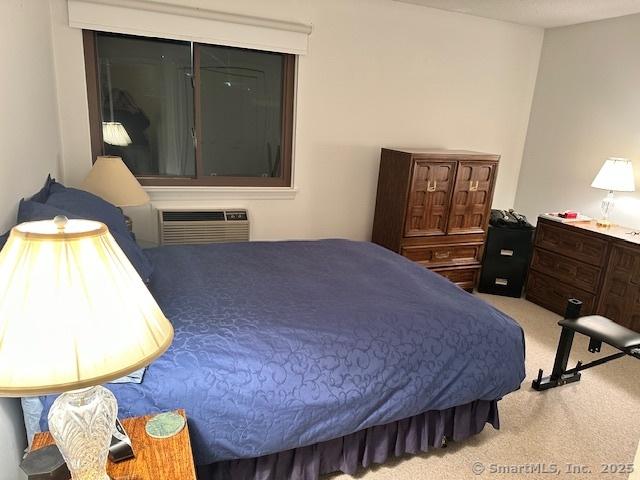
x=294, y=359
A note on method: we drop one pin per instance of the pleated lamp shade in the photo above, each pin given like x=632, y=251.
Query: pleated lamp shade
x=111, y=180
x=114, y=133
x=73, y=310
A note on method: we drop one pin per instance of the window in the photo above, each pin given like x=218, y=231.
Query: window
x=183, y=113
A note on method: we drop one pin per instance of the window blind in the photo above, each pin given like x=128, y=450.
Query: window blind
x=151, y=19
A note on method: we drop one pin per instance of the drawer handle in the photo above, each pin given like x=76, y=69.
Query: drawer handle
x=502, y=281
x=441, y=255
x=473, y=187
x=506, y=253
x=432, y=188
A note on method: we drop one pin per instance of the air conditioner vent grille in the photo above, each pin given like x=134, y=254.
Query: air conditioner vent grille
x=200, y=226
x=193, y=216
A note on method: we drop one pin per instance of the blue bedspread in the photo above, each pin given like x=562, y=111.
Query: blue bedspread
x=284, y=344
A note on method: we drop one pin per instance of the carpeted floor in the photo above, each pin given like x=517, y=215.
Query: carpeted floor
x=589, y=424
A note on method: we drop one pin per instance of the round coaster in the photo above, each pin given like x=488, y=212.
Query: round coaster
x=165, y=425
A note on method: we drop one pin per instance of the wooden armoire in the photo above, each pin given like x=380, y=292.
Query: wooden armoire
x=433, y=207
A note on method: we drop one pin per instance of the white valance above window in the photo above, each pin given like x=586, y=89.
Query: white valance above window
x=151, y=19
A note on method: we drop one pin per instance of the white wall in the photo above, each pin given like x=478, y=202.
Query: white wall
x=586, y=108
x=378, y=73
x=30, y=149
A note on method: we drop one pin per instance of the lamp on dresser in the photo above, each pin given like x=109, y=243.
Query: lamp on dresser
x=111, y=179
x=615, y=175
x=74, y=314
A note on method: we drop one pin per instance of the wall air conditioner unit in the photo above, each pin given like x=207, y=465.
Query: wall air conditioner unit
x=203, y=226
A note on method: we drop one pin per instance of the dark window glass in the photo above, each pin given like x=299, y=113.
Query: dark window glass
x=241, y=112
x=146, y=94
x=183, y=113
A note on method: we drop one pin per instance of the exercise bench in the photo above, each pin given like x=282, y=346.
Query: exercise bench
x=599, y=330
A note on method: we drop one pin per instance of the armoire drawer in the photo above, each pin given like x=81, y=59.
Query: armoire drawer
x=567, y=270
x=441, y=255
x=464, y=277
x=553, y=294
x=572, y=244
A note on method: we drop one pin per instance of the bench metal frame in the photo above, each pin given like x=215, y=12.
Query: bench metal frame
x=560, y=375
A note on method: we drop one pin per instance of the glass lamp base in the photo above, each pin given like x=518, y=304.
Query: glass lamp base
x=82, y=422
x=606, y=206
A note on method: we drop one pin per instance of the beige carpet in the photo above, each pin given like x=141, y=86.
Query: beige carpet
x=595, y=421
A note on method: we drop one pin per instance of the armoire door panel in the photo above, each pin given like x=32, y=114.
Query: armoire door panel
x=471, y=199
x=429, y=197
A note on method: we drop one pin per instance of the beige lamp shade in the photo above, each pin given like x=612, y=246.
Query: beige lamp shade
x=615, y=175
x=73, y=310
x=111, y=180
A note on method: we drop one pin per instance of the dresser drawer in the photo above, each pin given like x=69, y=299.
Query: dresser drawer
x=620, y=298
x=553, y=295
x=567, y=270
x=569, y=243
x=441, y=255
x=464, y=277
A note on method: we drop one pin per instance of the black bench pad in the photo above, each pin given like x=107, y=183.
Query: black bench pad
x=603, y=329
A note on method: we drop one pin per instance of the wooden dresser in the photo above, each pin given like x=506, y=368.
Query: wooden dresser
x=598, y=265
x=433, y=207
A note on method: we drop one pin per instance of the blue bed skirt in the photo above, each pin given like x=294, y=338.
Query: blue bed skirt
x=363, y=448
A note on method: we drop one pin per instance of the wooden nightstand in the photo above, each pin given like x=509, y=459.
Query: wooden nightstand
x=166, y=459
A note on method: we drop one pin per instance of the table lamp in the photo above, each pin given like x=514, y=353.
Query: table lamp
x=616, y=175
x=74, y=314
x=112, y=180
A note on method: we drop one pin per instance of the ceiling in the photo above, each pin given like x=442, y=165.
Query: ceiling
x=539, y=13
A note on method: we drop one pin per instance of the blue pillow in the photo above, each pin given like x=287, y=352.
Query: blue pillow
x=43, y=194
x=3, y=239
x=50, y=186
x=29, y=211
x=89, y=206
